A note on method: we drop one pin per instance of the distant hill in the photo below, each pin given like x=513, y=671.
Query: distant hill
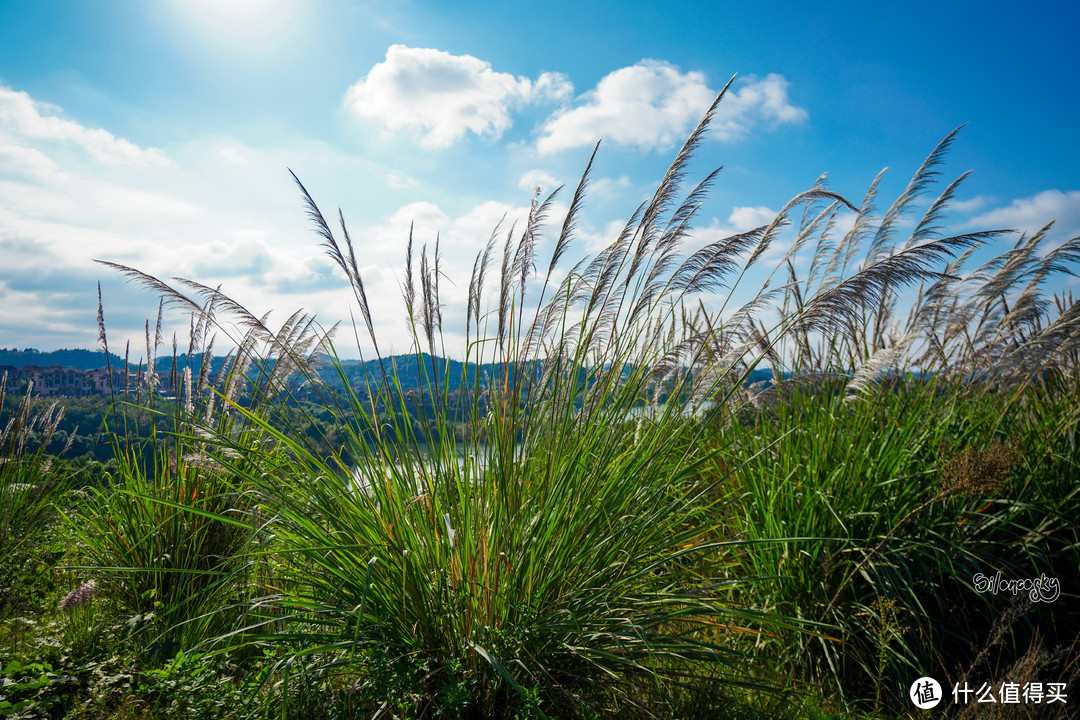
x=78, y=358
x=409, y=369
x=91, y=359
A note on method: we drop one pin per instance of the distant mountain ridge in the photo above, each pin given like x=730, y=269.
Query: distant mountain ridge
x=75, y=357
x=409, y=370
x=92, y=359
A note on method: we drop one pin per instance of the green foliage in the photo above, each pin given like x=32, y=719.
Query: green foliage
x=25, y=690
x=907, y=494
x=165, y=540
x=590, y=513
x=551, y=563
x=191, y=685
x=31, y=481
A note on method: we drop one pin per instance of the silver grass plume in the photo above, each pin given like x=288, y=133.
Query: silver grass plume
x=151, y=373
x=843, y=303
x=523, y=257
x=189, y=404
x=665, y=193
x=570, y=222
x=238, y=372
x=786, y=387
x=409, y=291
x=476, y=283
x=884, y=359
x=781, y=221
x=103, y=339
x=345, y=259
x=505, y=281
x=849, y=245
x=204, y=369
x=821, y=223
x=924, y=177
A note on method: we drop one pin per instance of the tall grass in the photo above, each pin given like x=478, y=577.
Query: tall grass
x=917, y=489
x=31, y=483
x=927, y=447
x=578, y=555
x=158, y=533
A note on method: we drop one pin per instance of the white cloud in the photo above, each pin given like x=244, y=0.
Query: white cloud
x=421, y=215
x=400, y=182
x=23, y=118
x=653, y=105
x=460, y=238
x=743, y=219
x=219, y=212
x=844, y=223
x=245, y=253
x=122, y=204
x=212, y=211
x=25, y=163
x=1031, y=214
x=443, y=96
x=532, y=179
x=755, y=101
x=968, y=206
x=609, y=187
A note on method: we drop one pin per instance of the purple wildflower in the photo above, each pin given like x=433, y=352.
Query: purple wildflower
x=78, y=596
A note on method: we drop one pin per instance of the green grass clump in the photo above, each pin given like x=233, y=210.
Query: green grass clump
x=32, y=482
x=166, y=532
x=558, y=563
x=598, y=516
x=905, y=516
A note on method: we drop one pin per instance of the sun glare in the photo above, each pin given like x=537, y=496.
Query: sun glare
x=235, y=20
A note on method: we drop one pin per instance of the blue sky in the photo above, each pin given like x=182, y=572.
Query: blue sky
x=157, y=134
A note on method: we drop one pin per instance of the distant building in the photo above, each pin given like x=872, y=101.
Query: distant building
x=52, y=381
x=58, y=381
x=99, y=380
